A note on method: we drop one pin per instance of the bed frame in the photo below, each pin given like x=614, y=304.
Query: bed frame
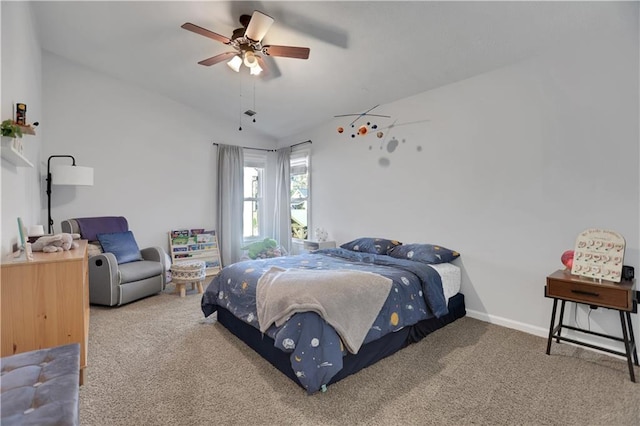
x=368, y=354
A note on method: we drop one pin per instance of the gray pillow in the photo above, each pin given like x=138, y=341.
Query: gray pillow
x=425, y=253
x=371, y=245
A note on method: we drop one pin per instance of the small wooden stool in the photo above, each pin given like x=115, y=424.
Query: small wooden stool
x=183, y=273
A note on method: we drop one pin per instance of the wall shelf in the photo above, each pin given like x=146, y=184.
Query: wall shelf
x=12, y=154
x=27, y=130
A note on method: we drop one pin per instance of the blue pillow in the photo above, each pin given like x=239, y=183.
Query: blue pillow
x=425, y=253
x=371, y=245
x=122, y=244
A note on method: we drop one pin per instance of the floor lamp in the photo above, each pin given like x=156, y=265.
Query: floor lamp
x=65, y=175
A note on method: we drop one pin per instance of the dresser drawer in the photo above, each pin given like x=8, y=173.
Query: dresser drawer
x=593, y=294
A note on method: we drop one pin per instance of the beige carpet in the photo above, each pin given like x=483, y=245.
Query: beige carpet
x=159, y=362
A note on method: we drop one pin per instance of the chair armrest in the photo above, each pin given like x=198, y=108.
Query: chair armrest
x=103, y=279
x=157, y=254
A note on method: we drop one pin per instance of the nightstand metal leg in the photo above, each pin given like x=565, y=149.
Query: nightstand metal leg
x=561, y=320
x=627, y=345
x=553, y=320
x=632, y=338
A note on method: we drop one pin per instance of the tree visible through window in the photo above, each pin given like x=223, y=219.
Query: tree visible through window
x=299, y=195
x=252, y=201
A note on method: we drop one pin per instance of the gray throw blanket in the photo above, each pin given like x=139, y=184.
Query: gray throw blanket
x=348, y=300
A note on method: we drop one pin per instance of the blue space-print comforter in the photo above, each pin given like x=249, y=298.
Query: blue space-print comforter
x=315, y=347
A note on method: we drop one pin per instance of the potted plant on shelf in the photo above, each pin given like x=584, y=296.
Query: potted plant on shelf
x=11, y=129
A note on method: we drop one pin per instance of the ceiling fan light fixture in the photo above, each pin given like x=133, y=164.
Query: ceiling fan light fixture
x=258, y=26
x=235, y=63
x=250, y=59
x=255, y=70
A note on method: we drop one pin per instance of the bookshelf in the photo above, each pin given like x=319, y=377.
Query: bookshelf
x=195, y=244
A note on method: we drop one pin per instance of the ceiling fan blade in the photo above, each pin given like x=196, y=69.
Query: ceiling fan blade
x=204, y=32
x=263, y=65
x=287, y=51
x=218, y=58
x=258, y=26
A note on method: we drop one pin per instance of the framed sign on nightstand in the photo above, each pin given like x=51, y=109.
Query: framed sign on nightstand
x=599, y=254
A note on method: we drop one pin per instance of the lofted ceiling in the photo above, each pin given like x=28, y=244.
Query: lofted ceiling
x=363, y=53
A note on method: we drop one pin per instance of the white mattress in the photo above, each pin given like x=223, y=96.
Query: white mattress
x=451, y=278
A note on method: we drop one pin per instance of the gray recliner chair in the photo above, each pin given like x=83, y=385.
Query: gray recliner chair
x=111, y=283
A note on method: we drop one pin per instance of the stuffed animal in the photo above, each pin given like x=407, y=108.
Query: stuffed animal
x=263, y=249
x=54, y=243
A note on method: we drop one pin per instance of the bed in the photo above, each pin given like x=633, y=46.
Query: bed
x=378, y=299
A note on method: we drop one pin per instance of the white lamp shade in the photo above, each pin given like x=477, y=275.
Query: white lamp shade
x=258, y=26
x=250, y=59
x=72, y=175
x=255, y=70
x=235, y=63
x=35, y=231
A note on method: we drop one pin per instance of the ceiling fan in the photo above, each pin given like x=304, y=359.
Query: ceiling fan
x=247, y=42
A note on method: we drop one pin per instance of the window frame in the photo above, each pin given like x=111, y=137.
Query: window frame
x=302, y=155
x=259, y=162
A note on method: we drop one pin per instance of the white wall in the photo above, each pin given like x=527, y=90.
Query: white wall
x=21, y=83
x=514, y=164
x=153, y=158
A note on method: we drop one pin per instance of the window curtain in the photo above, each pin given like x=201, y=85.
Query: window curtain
x=230, y=202
x=282, y=205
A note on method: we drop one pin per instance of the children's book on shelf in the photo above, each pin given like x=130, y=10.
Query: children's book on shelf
x=206, y=237
x=180, y=236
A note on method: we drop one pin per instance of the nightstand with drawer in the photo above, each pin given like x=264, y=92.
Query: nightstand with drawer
x=563, y=286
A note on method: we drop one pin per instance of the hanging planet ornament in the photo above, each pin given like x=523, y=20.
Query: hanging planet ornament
x=362, y=130
x=379, y=135
x=340, y=130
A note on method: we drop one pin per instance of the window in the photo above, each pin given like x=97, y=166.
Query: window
x=300, y=208
x=253, y=214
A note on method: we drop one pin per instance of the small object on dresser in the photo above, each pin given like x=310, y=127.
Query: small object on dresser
x=28, y=251
x=34, y=232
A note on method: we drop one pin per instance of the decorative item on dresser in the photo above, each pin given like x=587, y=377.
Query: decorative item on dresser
x=45, y=302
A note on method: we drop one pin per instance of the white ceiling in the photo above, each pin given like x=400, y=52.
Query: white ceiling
x=362, y=53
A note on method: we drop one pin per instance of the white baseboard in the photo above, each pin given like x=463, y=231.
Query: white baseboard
x=544, y=332
x=505, y=322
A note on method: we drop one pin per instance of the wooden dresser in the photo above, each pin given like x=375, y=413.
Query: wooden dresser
x=45, y=302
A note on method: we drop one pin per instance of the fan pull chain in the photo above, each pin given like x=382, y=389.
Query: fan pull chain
x=254, y=98
x=240, y=107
